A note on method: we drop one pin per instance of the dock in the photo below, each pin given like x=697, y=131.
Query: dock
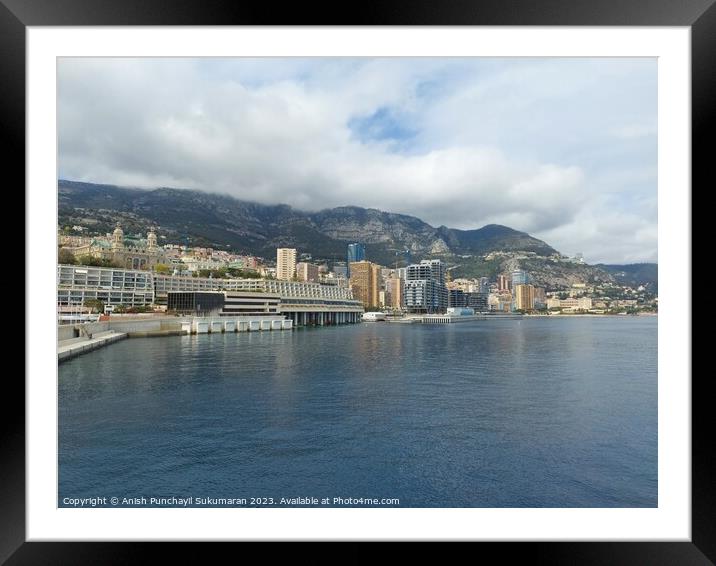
x=77, y=339
x=448, y=319
x=72, y=347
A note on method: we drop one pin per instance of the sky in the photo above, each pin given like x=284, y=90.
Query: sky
x=562, y=148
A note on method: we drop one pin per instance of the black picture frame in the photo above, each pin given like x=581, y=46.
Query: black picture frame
x=17, y=15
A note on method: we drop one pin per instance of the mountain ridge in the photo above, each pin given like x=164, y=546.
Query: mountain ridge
x=258, y=229
x=221, y=221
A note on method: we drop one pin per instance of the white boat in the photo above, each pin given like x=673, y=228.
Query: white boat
x=373, y=316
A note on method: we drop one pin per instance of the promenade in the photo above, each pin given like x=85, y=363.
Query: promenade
x=67, y=349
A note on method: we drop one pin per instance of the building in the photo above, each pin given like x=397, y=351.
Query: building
x=76, y=285
x=303, y=312
x=307, y=272
x=503, y=283
x=226, y=303
x=356, y=252
x=524, y=297
x=570, y=304
x=285, y=263
x=457, y=298
x=425, y=290
x=195, y=303
x=519, y=277
x=365, y=282
x=124, y=252
x=483, y=285
x=340, y=270
x=477, y=301
x=304, y=303
x=394, y=288
x=499, y=302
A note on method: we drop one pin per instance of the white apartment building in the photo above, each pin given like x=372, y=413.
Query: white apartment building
x=285, y=263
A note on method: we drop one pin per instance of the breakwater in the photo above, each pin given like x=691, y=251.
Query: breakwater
x=73, y=340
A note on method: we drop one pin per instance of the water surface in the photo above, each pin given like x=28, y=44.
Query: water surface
x=558, y=412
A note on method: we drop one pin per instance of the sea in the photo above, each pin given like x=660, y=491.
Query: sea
x=531, y=412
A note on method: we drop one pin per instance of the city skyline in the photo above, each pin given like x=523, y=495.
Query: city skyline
x=564, y=149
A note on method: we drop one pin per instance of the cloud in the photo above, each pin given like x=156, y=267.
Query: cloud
x=631, y=131
x=548, y=146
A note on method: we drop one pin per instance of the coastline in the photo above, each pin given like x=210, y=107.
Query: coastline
x=108, y=332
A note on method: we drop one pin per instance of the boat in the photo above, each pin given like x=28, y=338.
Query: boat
x=373, y=316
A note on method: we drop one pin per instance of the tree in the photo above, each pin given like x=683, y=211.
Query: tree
x=96, y=261
x=66, y=256
x=95, y=304
x=162, y=268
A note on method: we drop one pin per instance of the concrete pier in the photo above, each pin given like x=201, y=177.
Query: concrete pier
x=72, y=347
x=75, y=339
x=447, y=319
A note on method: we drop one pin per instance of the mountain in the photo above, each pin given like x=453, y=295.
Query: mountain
x=203, y=219
x=634, y=274
x=220, y=221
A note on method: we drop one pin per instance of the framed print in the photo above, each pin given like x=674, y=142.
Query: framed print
x=263, y=237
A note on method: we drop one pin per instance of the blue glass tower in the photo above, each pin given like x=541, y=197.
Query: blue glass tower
x=356, y=252
x=520, y=277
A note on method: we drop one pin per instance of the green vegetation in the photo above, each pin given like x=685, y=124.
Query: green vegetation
x=66, y=257
x=228, y=272
x=124, y=309
x=95, y=304
x=215, y=273
x=198, y=218
x=475, y=267
x=90, y=261
x=239, y=273
x=635, y=274
x=162, y=268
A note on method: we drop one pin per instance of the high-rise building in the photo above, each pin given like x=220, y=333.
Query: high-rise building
x=519, y=277
x=524, y=297
x=473, y=299
x=340, y=269
x=356, y=252
x=307, y=272
x=433, y=269
x=425, y=289
x=503, y=283
x=478, y=302
x=457, y=298
x=394, y=291
x=365, y=282
x=285, y=263
x=484, y=285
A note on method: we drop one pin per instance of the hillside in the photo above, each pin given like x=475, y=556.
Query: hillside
x=203, y=219
x=199, y=218
x=634, y=274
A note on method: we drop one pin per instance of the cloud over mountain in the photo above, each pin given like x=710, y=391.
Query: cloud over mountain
x=564, y=149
